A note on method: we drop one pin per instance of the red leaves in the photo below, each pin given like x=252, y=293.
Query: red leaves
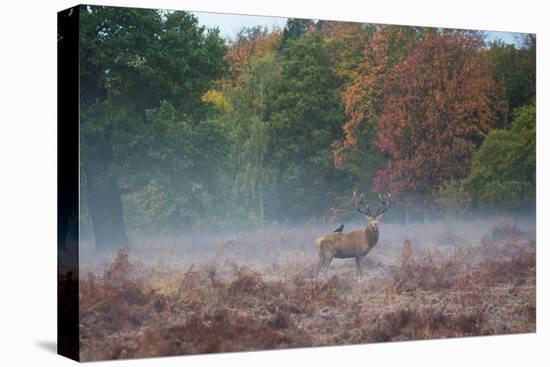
x=362, y=99
x=431, y=99
x=437, y=109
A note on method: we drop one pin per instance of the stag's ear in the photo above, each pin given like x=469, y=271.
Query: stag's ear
x=380, y=216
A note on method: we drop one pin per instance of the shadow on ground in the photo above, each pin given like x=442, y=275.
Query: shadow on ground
x=49, y=345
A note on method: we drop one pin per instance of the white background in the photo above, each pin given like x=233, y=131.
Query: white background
x=28, y=182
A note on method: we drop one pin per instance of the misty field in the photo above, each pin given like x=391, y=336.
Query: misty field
x=257, y=290
x=249, y=147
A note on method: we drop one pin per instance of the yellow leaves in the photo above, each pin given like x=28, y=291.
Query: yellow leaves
x=217, y=99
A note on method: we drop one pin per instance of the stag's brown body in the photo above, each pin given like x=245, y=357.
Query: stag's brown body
x=346, y=245
x=356, y=244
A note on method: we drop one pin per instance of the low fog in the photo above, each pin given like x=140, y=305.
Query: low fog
x=274, y=246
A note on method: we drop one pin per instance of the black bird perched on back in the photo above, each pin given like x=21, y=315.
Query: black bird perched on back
x=339, y=229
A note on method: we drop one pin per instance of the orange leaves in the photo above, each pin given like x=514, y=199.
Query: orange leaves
x=437, y=108
x=363, y=98
x=345, y=43
x=249, y=44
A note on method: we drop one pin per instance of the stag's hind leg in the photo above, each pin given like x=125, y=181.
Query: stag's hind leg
x=323, y=265
x=319, y=266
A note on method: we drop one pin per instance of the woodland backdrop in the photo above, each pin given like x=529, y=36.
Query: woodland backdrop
x=182, y=130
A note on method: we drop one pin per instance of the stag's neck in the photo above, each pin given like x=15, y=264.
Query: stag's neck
x=371, y=235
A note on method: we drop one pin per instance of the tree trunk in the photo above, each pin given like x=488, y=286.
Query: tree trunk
x=105, y=206
x=104, y=201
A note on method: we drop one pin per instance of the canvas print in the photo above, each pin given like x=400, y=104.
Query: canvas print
x=242, y=183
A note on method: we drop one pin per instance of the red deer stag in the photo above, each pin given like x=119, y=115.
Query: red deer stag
x=355, y=244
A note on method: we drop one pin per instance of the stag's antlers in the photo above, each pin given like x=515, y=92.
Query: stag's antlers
x=384, y=204
x=362, y=206
x=357, y=202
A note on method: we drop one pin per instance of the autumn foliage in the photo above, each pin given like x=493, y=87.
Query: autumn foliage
x=421, y=103
x=363, y=98
x=439, y=104
x=248, y=44
x=286, y=123
x=346, y=44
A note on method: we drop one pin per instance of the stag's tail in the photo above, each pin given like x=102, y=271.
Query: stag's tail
x=318, y=243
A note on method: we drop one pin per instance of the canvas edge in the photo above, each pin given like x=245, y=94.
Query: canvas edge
x=68, y=206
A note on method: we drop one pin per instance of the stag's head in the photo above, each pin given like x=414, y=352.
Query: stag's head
x=362, y=206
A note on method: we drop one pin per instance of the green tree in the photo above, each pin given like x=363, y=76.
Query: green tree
x=503, y=172
x=130, y=61
x=183, y=181
x=515, y=68
x=305, y=115
x=250, y=177
x=294, y=28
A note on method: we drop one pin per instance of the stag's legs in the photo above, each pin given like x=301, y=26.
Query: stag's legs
x=323, y=265
x=319, y=266
x=327, y=263
x=359, y=266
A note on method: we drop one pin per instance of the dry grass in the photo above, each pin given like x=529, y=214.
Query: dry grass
x=133, y=310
